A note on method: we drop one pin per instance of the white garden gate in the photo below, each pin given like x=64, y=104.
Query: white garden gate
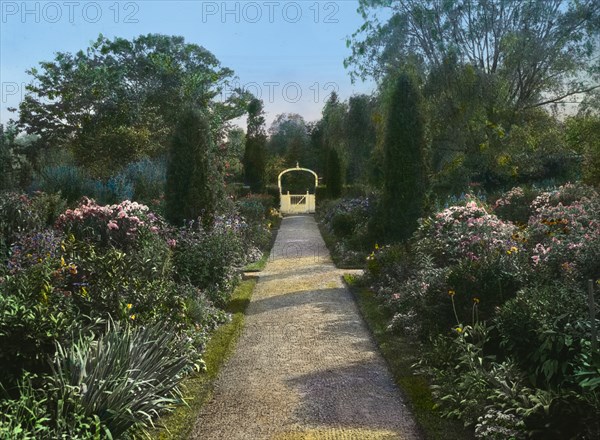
x=297, y=203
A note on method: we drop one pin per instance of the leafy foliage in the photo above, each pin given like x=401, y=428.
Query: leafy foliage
x=46, y=412
x=17, y=216
x=15, y=168
x=504, y=308
x=346, y=221
x=523, y=49
x=209, y=258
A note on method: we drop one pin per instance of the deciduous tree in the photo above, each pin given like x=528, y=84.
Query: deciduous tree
x=119, y=99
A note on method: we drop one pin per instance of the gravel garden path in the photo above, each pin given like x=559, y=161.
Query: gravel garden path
x=305, y=366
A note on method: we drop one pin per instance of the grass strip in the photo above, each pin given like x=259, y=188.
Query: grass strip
x=259, y=265
x=198, y=387
x=400, y=353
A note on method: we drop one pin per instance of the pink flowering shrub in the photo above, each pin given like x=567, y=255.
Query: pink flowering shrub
x=119, y=225
x=565, y=232
x=515, y=205
x=464, y=250
x=467, y=231
x=565, y=195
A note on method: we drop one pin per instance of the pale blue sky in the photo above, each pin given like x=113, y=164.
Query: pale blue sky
x=282, y=47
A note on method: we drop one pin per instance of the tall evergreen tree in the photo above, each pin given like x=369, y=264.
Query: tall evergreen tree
x=360, y=134
x=334, y=174
x=190, y=191
x=405, y=170
x=255, y=160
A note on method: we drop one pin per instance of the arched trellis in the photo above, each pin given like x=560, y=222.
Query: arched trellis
x=297, y=203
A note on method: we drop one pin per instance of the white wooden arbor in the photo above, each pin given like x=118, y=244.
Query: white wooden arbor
x=297, y=203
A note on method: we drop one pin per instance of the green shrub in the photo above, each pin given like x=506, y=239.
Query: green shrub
x=17, y=216
x=343, y=224
x=251, y=210
x=544, y=329
x=36, y=310
x=48, y=207
x=346, y=220
x=496, y=397
x=200, y=310
x=515, y=205
x=210, y=260
x=138, y=283
x=255, y=151
x=15, y=168
x=334, y=174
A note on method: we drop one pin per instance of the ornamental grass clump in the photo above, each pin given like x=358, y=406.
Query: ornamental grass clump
x=126, y=377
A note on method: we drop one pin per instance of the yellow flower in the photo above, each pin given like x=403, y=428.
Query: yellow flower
x=376, y=246
x=62, y=261
x=129, y=306
x=458, y=329
x=132, y=317
x=476, y=300
x=451, y=292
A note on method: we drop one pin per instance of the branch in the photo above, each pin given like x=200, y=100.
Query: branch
x=558, y=98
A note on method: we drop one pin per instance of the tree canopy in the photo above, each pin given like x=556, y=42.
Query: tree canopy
x=534, y=52
x=120, y=99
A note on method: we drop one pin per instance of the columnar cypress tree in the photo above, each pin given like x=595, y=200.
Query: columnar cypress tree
x=334, y=174
x=189, y=193
x=405, y=171
x=255, y=160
